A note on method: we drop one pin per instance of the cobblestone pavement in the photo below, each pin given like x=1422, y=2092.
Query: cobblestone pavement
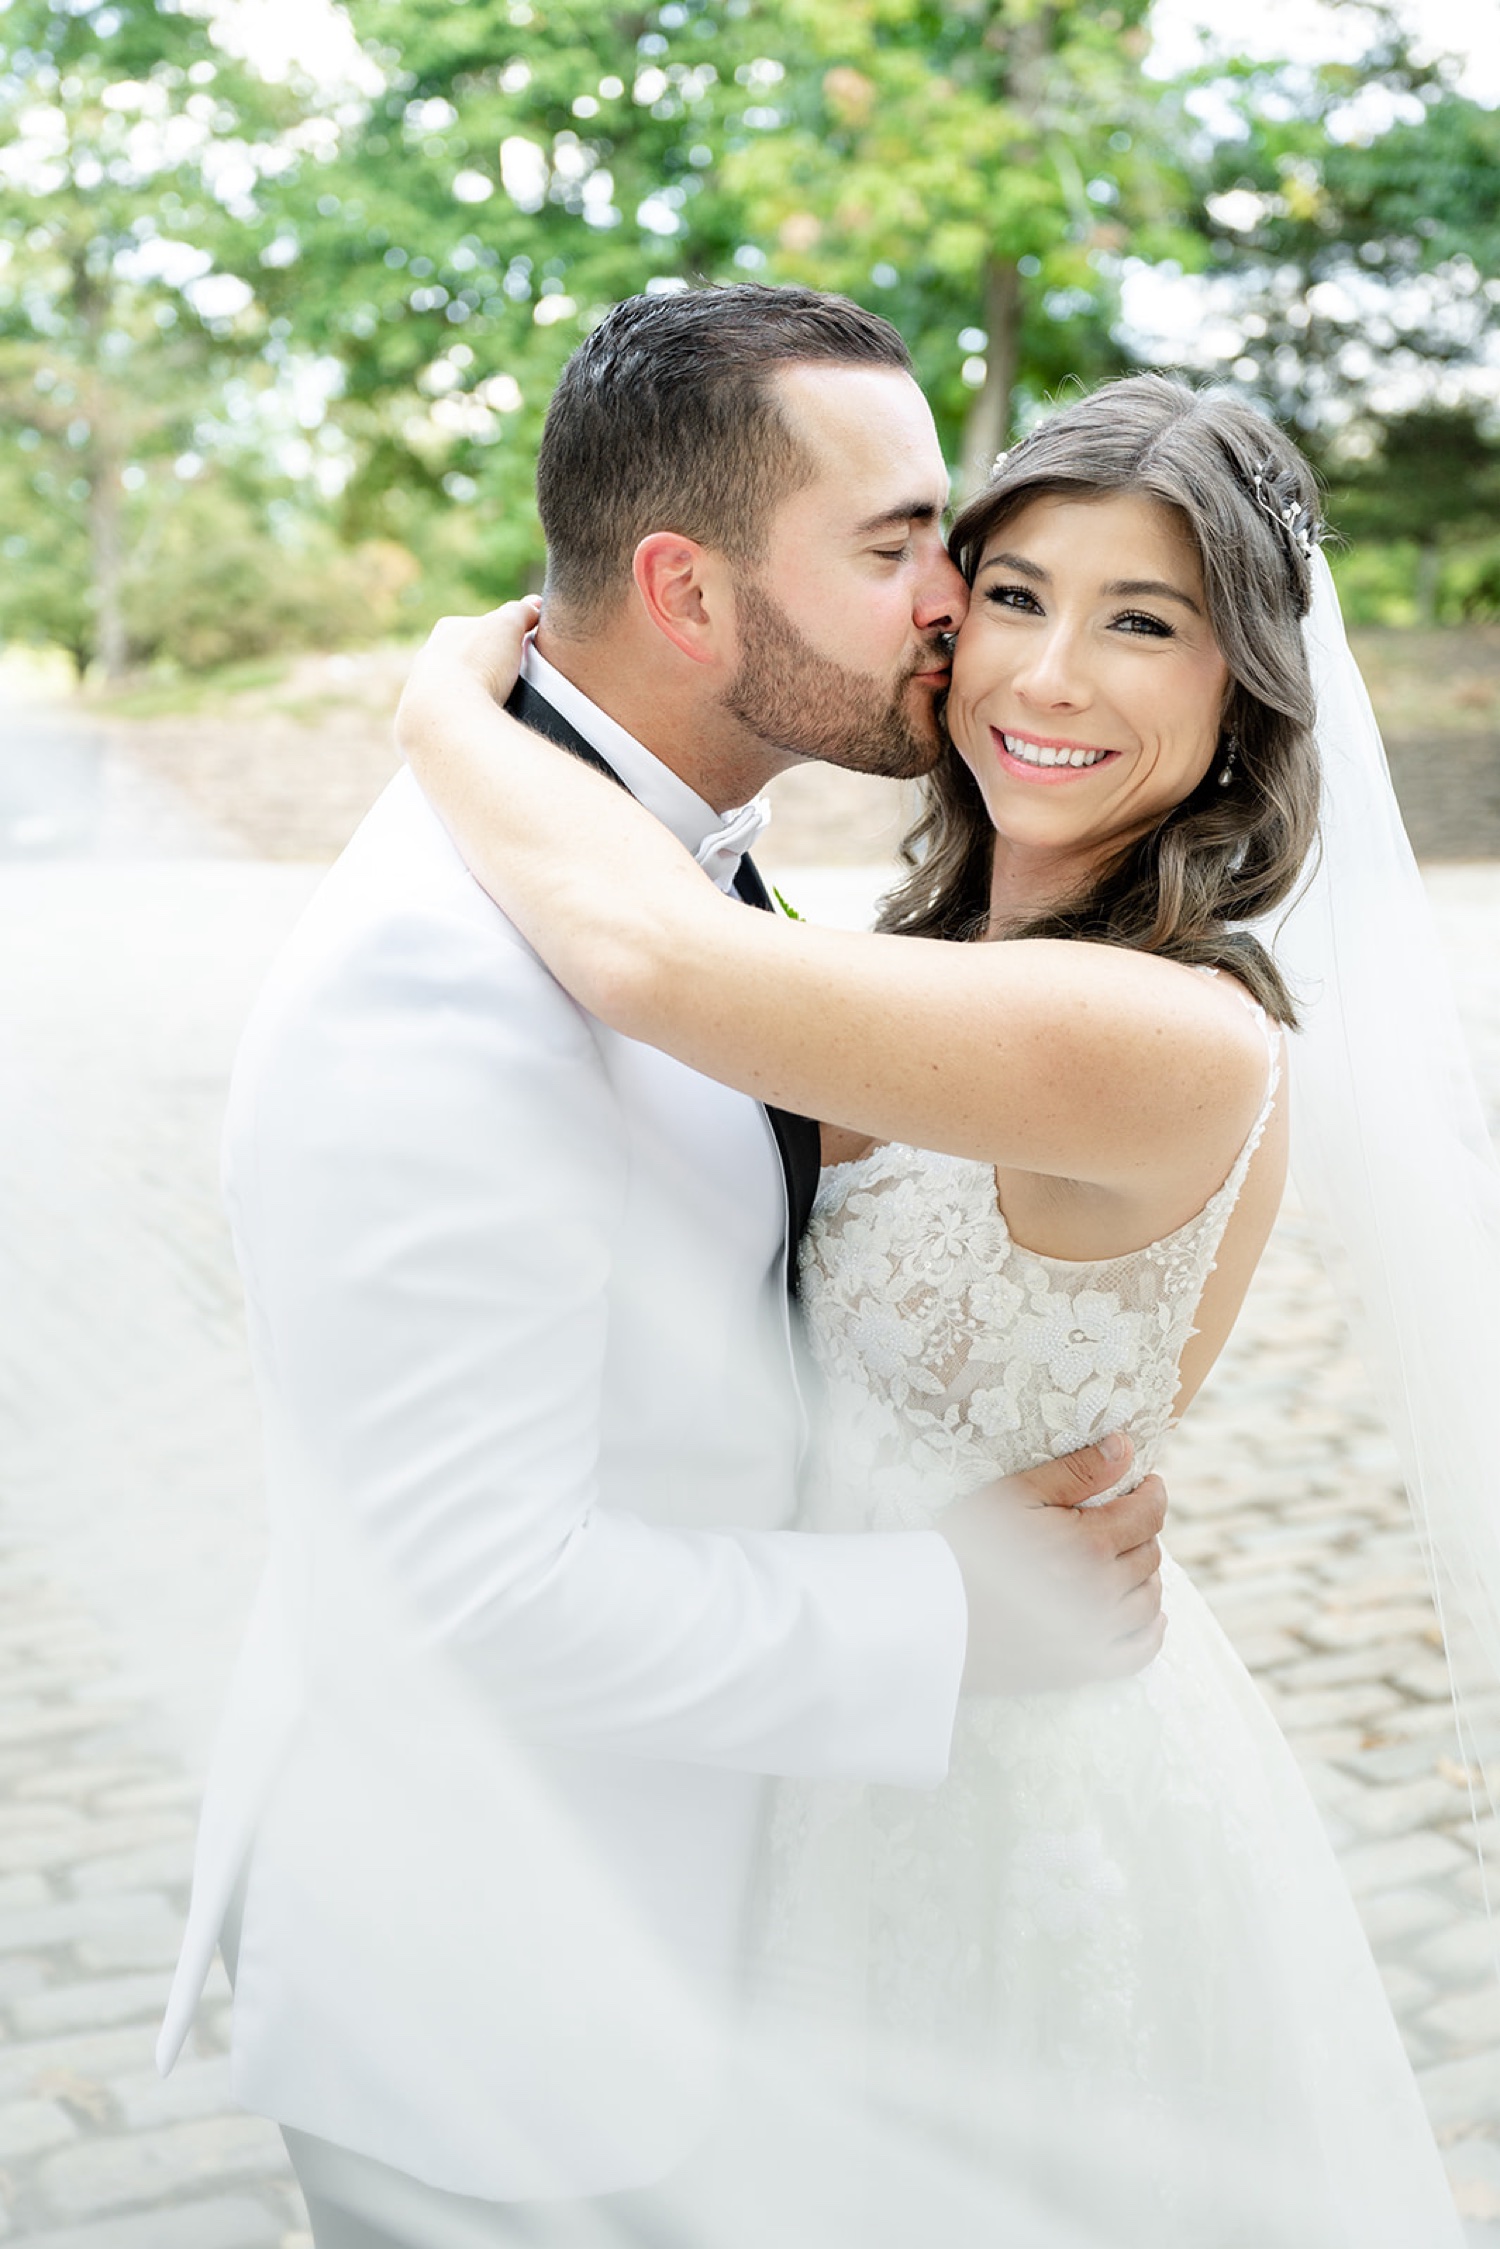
x=129, y=1519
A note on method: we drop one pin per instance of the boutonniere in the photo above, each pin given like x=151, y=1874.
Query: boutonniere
x=790, y=911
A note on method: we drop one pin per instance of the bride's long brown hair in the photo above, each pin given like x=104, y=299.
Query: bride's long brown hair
x=1225, y=855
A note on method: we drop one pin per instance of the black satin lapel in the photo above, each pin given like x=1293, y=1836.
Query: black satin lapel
x=535, y=711
x=798, y=1142
x=797, y=1139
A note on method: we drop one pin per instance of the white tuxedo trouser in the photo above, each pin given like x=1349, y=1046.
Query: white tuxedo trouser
x=356, y=2203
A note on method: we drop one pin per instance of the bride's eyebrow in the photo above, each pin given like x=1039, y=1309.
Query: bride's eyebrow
x=1139, y=586
x=1019, y=564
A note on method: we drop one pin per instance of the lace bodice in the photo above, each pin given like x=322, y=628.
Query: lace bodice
x=951, y=1354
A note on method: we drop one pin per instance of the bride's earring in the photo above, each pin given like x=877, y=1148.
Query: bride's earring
x=1231, y=752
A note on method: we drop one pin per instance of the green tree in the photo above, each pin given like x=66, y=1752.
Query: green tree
x=517, y=171
x=1353, y=215
x=1431, y=481
x=124, y=128
x=980, y=170
x=975, y=171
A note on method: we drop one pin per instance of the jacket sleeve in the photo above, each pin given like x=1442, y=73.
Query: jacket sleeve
x=424, y=1171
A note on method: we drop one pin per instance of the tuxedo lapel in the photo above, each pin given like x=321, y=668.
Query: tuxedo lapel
x=542, y=717
x=797, y=1142
x=797, y=1139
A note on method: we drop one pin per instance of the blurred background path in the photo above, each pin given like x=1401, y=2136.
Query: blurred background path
x=147, y=874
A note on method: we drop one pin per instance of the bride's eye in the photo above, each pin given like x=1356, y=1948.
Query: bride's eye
x=1014, y=597
x=1138, y=621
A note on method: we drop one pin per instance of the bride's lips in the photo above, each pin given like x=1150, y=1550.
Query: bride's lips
x=1043, y=774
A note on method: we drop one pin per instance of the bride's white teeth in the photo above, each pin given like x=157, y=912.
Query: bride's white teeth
x=1041, y=753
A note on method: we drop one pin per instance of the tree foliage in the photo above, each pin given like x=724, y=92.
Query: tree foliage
x=292, y=321
x=122, y=127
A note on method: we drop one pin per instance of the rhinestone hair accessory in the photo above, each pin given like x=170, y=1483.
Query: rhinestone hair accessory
x=1298, y=523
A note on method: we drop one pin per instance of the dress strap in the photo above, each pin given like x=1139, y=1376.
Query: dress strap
x=1272, y=1035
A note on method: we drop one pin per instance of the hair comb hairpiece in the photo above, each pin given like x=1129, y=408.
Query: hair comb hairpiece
x=1298, y=522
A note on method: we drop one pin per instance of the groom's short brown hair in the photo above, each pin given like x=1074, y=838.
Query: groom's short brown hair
x=665, y=419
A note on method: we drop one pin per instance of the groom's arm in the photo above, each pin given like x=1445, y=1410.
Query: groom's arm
x=427, y=1177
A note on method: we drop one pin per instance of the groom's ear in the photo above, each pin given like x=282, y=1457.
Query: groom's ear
x=686, y=593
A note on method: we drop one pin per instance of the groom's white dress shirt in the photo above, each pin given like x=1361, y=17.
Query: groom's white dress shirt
x=534, y=1628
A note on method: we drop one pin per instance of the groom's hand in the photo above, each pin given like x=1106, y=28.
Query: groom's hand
x=1059, y=1593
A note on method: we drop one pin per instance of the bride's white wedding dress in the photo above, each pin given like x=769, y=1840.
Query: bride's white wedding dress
x=1122, y=1892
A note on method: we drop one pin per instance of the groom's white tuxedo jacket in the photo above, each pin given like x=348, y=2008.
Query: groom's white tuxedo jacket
x=534, y=1628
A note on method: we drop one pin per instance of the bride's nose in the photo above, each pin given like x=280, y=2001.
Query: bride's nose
x=1052, y=675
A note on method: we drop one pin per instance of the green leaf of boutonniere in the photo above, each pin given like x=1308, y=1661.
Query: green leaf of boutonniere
x=790, y=911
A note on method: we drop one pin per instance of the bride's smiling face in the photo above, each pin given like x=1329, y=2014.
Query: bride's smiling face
x=1088, y=689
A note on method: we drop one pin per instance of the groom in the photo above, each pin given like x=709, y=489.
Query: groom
x=535, y=1629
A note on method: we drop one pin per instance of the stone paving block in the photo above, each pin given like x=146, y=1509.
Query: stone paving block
x=1462, y=2096
x=161, y=1793
x=1325, y=1742
x=225, y=2222
x=194, y=2089
x=1476, y=1886
x=104, y=2175
x=1473, y=2167
x=19, y=1891
x=166, y=1863
x=1379, y=1660
x=1271, y=1596
x=26, y=2127
x=1431, y=1723
x=1427, y=1679
x=54, y=1726
x=1379, y=1762
x=1349, y=1628
x=1464, y=1951
x=144, y=1944
x=1466, y=2018
x=90, y=2006
x=1402, y=1860
x=19, y=1977
x=1363, y=1703
x=80, y=1779
x=88, y=2058
x=71, y=1920
x=1394, y=1810
x=1410, y=1995
x=65, y=1839
x=1261, y=1647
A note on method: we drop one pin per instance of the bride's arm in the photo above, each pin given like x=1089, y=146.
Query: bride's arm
x=1086, y=1062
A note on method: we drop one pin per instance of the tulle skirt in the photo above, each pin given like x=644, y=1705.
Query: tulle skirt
x=1112, y=1962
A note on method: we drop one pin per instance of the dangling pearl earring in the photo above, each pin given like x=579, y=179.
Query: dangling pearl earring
x=1231, y=752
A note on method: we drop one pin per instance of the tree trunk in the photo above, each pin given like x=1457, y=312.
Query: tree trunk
x=1025, y=38
x=105, y=536
x=988, y=424
x=105, y=460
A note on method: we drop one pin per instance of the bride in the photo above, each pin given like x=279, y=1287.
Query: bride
x=1056, y=1143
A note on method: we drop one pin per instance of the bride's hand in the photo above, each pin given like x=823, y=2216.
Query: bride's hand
x=462, y=654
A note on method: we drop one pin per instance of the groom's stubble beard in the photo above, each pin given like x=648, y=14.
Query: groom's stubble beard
x=792, y=698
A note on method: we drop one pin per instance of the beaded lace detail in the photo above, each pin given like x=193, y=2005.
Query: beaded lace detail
x=952, y=1355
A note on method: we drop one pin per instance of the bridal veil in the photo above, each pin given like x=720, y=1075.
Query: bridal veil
x=1394, y=1162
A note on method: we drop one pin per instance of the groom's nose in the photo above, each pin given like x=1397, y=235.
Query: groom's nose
x=944, y=597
